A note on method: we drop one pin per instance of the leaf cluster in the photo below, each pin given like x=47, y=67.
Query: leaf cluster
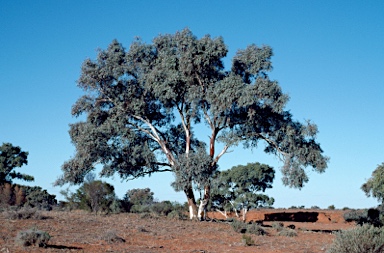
x=12, y=157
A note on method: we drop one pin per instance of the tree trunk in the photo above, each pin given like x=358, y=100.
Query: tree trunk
x=191, y=203
x=204, y=203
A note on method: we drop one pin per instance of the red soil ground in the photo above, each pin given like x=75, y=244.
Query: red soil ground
x=82, y=232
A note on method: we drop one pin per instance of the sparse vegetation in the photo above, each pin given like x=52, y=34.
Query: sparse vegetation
x=287, y=232
x=256, y=229
x=24, y=213
x=32, y=237
x=366, y=238
x=248, y=241
x=110, y=237
x=239, y=226
x=278, y=226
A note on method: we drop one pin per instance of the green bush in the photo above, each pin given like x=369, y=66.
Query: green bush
x=255, y=229
x=371, y=216
x=162, y=208
x=33, y=237
x=239, y=226
x=366, y=238
x=39, y=198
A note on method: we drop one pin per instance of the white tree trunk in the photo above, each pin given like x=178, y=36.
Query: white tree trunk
x=201, y=214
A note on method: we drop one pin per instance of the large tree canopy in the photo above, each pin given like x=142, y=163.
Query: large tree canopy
x=12, y=157
x=375, y=184
x=141, y=105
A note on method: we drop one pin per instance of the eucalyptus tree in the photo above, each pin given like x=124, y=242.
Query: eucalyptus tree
x=375, y=184
x=12, y=157
x=141, y=105
x=239, y=188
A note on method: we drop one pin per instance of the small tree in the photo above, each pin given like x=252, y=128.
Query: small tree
x=375, y=184
x=139, y=199
x=239, y=188
x=93, y=195
x=98, y=195
x=12, y=157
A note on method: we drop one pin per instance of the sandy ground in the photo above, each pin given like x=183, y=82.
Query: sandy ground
x=78, y=231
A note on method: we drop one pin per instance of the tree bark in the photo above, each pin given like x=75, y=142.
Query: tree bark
x=204, y=203
x=191, y=202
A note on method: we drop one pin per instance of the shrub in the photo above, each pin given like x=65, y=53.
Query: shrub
x=39, y=198
x=277, y=225
x=111, y=237
x=287, y=232
x=33, y=237
x=162, y=208
x=24, y=213
x=366, y=238
x=239, y=226
x=360, y=217
x=331, y=207
x=247, y=240
x=177, y=215
x=256, y=229
x=94, y=196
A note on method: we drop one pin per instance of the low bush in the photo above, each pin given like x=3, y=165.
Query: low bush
x=33, y=237
x=278, y=226
x=177, y=215
x=366, y=238
x=111, y=237
x=255, y=229
x=24, y=213
x=248, y=241
x=239, y=226
x=287, y=232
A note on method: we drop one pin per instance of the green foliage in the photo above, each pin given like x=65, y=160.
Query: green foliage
x=39, y=198
x=141, y=106
x=12, y=157
x=162, y=208
x=140, y=196
x=95, y=196
x=29, y=196
x=32, y=237
x=375, y=184
x=239, y=226
x=255, y=229
x=238, y=187
x=331, y=207
x=371, y=216
x=366, y=238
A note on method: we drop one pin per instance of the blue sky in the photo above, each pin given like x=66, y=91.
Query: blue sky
x=328, y=56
